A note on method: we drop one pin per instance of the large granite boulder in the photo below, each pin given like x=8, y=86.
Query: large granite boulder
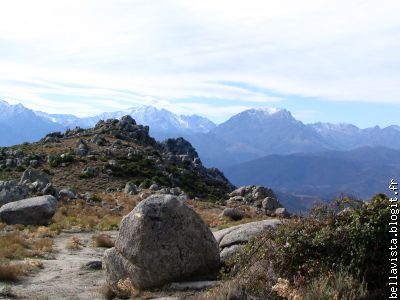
x=160, y=241
x=31, y=211
x=232, y=239
x=10, y=191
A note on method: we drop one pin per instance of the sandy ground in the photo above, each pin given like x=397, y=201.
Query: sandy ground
x=63, y=277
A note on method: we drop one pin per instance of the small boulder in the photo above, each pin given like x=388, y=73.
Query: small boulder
x=10, y=192
x=31, y=211
x=154, y=187
x=31, y=176
x=282, y=212
x=89, y=172
x=270, y=204
x=82, y=148
x=162, y=240
x=67, y=194
x=233, y=213
x=130, y=188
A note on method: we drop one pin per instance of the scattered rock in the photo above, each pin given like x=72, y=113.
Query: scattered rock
x=233, y=213
x=154, y=187
x=89, y=172
x=67, y=194
x=94, y=265
x=270, y=204
x=82, y=148
x=10, y=192
x=228, y=239
x=130, y=188
x=282, y=212
x=31, y=176
x=262, y=198
x=31, y=211
x=160, y=241
x=191, y=285
x=229, y=252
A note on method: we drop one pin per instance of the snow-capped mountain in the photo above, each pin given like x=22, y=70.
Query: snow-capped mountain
x=255, y=133
x=162, y=122
x=19, y=124
x=347, y=136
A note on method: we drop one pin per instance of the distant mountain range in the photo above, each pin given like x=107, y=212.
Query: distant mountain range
x=361, y=173
x=19, y=124
x=162, y=123
x=257, y=133
x=301, y=162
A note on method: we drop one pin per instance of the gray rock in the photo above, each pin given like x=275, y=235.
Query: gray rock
x=67, y=194
x=89, y=172
x=10, y=162
x=31, y=211
x=270, y=204
x=233, y=213
x=191, y=285
x=130, y=188
x=282, y=212
x=82, y=148
x=175, y=191
x=154, y=187
x=31, y=176
x=10, y=192
x=160, y=241
x=93, y=265
x=229, y=252
x=242, y=234
x=34, y=163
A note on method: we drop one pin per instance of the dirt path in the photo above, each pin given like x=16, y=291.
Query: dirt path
x=63, y=276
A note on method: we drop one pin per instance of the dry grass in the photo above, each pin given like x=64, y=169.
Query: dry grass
x=103, y=240
x=18, y=245
x=12, y=271
x=210, y=213
x=107, y=292
x=79, y=215
x=74, y=243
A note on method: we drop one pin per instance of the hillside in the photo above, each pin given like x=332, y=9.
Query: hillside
x=111, y=154
x=362, y=173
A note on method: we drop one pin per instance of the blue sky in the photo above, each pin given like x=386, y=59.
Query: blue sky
x=333, y=61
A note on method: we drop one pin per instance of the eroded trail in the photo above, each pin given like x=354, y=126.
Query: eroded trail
x=63, y=277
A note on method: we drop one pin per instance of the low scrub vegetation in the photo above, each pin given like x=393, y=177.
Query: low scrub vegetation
x=339, y=251
x=103, y=240
x=19, y=245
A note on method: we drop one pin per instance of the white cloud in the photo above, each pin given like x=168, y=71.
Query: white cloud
x=115, y=54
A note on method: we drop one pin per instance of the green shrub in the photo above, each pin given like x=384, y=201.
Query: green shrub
x=58, y=159
x=325, y=242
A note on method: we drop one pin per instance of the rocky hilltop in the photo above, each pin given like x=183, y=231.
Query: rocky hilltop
x=105, y=158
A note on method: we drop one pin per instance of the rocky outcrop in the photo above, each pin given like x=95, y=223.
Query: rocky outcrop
x=10, y=191
x=259, y=197
x=162, y=240
x=231, y=240
x=31, y=211
x=179, y=146
x=37, y=182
